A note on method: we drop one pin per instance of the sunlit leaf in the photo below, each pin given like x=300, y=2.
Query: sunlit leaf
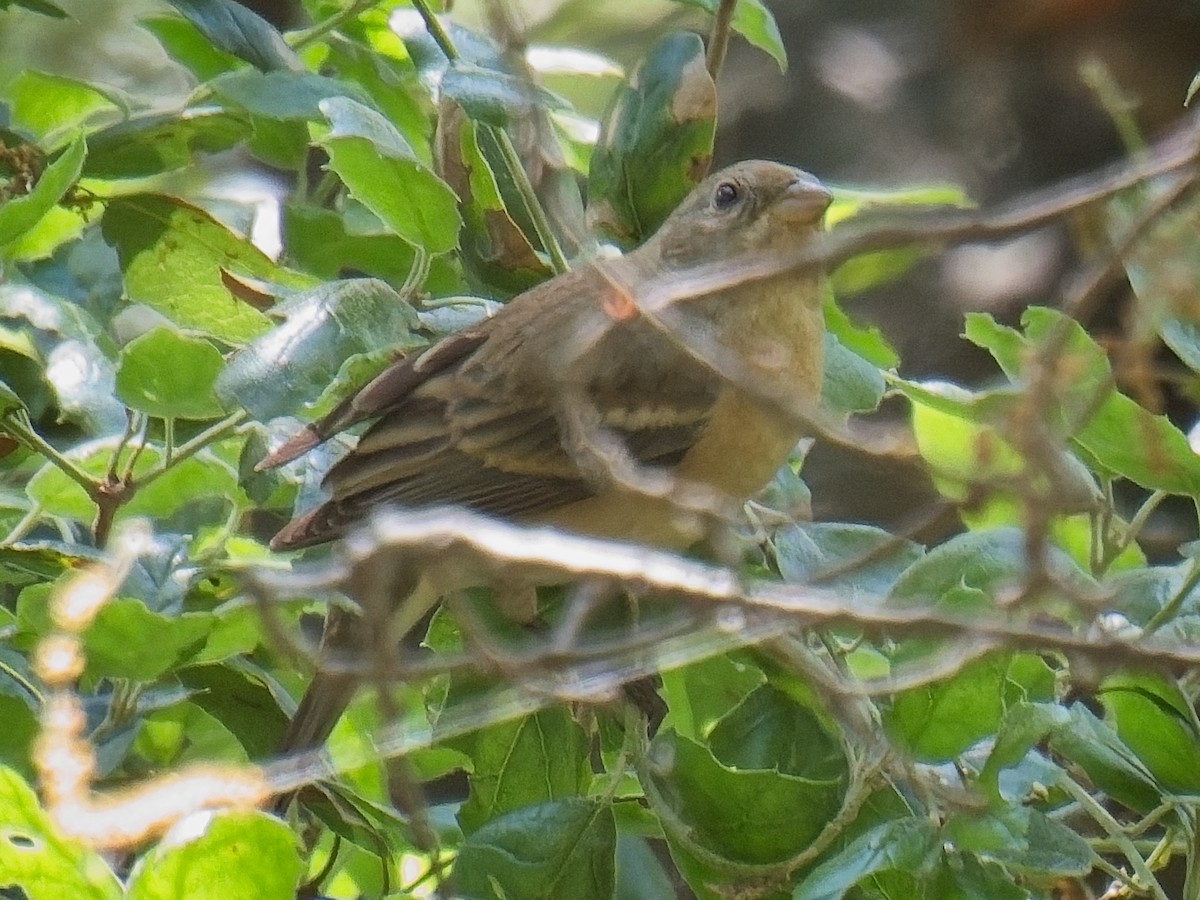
x=170, y=375
x=384, y=174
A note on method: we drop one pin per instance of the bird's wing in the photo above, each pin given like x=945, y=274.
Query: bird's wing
x=464, y=435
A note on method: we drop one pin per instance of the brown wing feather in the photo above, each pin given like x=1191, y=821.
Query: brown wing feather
x=450, y=432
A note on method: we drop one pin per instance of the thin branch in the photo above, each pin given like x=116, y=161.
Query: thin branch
x=302, y=39
x=718, y=40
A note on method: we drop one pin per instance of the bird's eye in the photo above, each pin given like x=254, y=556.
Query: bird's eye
x=726, y=195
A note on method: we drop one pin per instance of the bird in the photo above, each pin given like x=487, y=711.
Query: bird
x=490, y=418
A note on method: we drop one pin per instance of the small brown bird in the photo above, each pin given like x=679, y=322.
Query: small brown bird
x=488, y=418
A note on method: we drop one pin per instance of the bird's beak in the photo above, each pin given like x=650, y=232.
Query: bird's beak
x=804, y=202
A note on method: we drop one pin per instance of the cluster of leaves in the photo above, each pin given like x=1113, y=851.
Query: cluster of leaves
x=149, y=351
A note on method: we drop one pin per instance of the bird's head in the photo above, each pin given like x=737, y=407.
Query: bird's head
x=748, y=206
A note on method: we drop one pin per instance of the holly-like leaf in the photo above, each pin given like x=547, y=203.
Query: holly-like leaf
x=173, y=255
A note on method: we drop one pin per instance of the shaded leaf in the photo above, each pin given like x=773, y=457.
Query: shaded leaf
x=42, y=7
x=909, y=845
x=851, y=384
x=282, y=95
x=147, y=145
x=758, y=816
x=523, y=763
x=860, y=562
x=1022, y=839
x=239, y=31
x=656, y=141
x=557, y=849
x=188, y=47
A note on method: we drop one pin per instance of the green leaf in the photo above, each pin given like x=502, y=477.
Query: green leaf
x=162, y=641
x=989, y=562
x=237, y=30
x=43, y=7
x=239, y=697
x=222, y=854
x=769, y=731
x=1154, y=719
x=382, y=172
x=282, y=95
x=174, y=254
x=199, y=477
x=323, y=328
x=391, y=82
x=756, y=816
x=495, y=242
x=9, y=400
x=938, y=721
x=1116, y=432
x=188, y=47
x=1022, y=839
x=170, y=375
x=906, y=845
x=656, y=141
x=851, y=383
x=319, y=240
x=20, y=214
x=869, y=342
x=698, y=695
x=859, y=562
x=148, y=145
x=488, y=95
x=564, y=848
x=538, y=758
x=53, y=107
x=1080, y=737
x=37, y=860
x=753, y=21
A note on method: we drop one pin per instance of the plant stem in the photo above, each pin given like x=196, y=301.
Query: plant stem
x=718, y=41
x=1146, y=879
x=303, y=38
x=190, y=448
x=17, y=425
